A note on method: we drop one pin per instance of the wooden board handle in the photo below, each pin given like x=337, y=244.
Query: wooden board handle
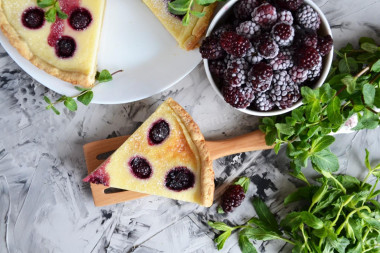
x=244, y=143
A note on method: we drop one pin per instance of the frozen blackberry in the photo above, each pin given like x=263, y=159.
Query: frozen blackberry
x=260, y=77
x=217, y=68
x=325, y=45
x=290, y=4
x=307, y=57
x=284, y=60
x=235, y=44
x=308, y=18
x=267, y=48
x=238, y=97
x=283, y=34
x=315, y=72
x=306, y=38
x=285, y=16
x=243, y=9
x=253, y=56
x=232, y=198
x=284, y=92
x=211, y=48
x=298, y=74
x=263, y=102
x=248, y=29
x=222, y=29
x=236, y=72
x=265, y=15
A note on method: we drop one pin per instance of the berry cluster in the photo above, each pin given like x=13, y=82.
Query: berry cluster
x=265, y=53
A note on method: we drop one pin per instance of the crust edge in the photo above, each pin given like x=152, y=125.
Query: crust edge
x=207, y=173
x=17, y=42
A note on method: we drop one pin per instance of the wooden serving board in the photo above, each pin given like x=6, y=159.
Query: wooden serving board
x=96, y=152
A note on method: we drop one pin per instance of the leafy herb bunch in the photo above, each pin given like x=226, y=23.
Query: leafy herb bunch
x=53, y=11
x=352, y=88
x=342, y=215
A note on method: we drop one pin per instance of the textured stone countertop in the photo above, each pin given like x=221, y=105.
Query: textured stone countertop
x=45, y=207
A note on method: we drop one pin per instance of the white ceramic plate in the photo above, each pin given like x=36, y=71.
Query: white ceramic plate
x=132, y=40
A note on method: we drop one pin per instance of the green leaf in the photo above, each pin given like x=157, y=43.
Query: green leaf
x=103, y=76
x=326, y=202
x=197, y=13
x=368, y=120
x=47, y=100
x=259, y=223
x=327, y=93
x=221, y=239
x=313, y=110
x=220, y=210
x=302, y=193
x=285, y=128
x=219, y=226
x=45, y=3
x=325, y=160
x=309, y=95
x=80, y=88
x=277, y=147
x=259, y=234
x=243, y=182
x=268, y=121
x=348, y=65
x=366, y=161
x=55, y=110
x=366, y=39
x=311, y=220
x=339, y=244
x=369, y=92
x=61, y=14
x=206, y=2
x=350, y=83
x=186, y=19
x=333, y=111
x=297, y=114
x=70, y=104
x=300, y=176
x=319, y=194
x=321, y=143
x=50, y=15
x=264, y=213
x=369, y=47
x=271, y=137
x=245, y=245
x=376, y=102
x=376, y=66
x=179, y=7
x=86, y=97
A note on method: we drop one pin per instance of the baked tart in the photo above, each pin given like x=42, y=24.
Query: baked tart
x=67, y=48
x=166, y=156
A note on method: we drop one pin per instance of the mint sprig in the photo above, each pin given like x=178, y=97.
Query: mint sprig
x=54, y=10
x=85, y=96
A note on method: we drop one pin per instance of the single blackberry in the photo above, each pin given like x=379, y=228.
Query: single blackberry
x=238, y=97
x=263, y=102
x=211, y=49
x=248, y=29
x=243, y=9
x=236, y=72
x=290, y=4
x=235, y=44
x=285, y=16
x=217, y=68
x=232, y=198
x=325, y=45
x=284, y=92
x=253, y=56
x=267, y=48
x=298, y=74
x=158, y=132
x=307, y=57
x=284, y=60
x=265, y=15
x=222, y=29
x=315, y=72
x=305, y=38
x=308, y=18
x=283, y=34
x=260, y=77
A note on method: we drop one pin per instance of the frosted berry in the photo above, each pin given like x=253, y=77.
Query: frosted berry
x=244, y=8
x=285, y=16
x=284, y=92
x=65, y=47
x=308, y=18
x=236, y=72
x=265, y=15
x=314, y=72
x=222, y=29
x=217, y=68
x=306, y=38
x=33, y=18
x=284, y=60
x=80, y=19
x=248, y=29
x=159, y=131
x=283, y=34
x=290, y=4
x=179, y=179
x=235, y=44
x=325, y=45
x=232, y=198
x=238, y=97
x=211, y=48
x=298, y=74
x=267, y=48
x=307, y=57
x=253, y=56
x=260, y=77
x=263, y=102
x=140, y=167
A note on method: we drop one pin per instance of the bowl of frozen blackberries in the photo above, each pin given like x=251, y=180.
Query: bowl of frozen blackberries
x=259, y=54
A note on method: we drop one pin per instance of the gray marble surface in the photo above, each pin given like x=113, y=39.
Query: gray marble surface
x=45, y=207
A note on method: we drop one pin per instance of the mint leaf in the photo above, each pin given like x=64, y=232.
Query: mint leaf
x=368, y=120
x=369, y=47
x=103, y=76
x=285, y=128
x=333, y=111
x=221, y=239
x=327, y=93
x=260, y=234
x=245, y=245
x=50, y=15
x=366, y=160
x=302, y=193
x=47, y=100
x=369, y=93
x=325, y=160
x=219, y=226
x=86, y=97
x=265, y=214
x=376, y=66
x=350, y=83
x=243, y=182
x=348, y=65
x=309, y=95
x=321, y=143
x=70, y=104
x=197, y=14
x=55, y=110
x=45, y=3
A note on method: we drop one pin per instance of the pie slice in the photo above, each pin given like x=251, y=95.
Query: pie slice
x=66, y=48
x=188, y=37
x=166, y=156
